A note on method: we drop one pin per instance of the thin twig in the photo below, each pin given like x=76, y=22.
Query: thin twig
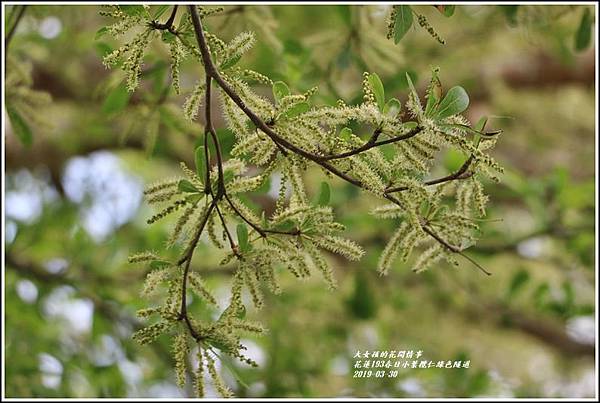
x=461, y=173
x=373, y=143
x=13, y=29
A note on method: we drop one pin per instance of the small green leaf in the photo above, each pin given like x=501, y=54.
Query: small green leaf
x=377, y=87
x=446, y=10
x=133, y=10
x=324, y=194
x=480, y=125
x=453, y=159
x=410, y=125
x=280, y=90
x=403, y=22
x=219, y=345
x=228, y=176
x=186, y=186
x=296, y=110
x=412, y=87
x=250, y=126
x=584, y=32
x=102, y=48
x=19, y=126
x=117, y=100
x=168, y=37
x=242, y=236
x=100, y=33
x=200, y=159
x=160, y=11
x=399, y=82
x=455, y=102
x=263, y=219
x=434, y=92
x=392, y=107
x=346, y=133
x=232, y=61
x=157, y=264
x=194, y=198
x=287, y=225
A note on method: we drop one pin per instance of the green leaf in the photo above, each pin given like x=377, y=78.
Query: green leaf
x=102, y=48
x=392, y=107
x=377, y=87
x=133, y=10
x=480, y=125
x=584, y=32
x=117, y=100
x=296, y=110
x=242, y=236
x=399, y=82
x=194, y=197
x=453, y=159
x=228, y=176
x=446, y=10
x=346, y=133
x=434, y=92
x=409, y=125
x=219, y=345
x=167, y=37
x=231, y=62
x=19, y=126
x=280, y=90
x=287, y=225
x=412, y=87
x=186, y=186
x=100, y=33
x=403, y=22
x=200, y=160
x=324, y=194
x=160, y=11
x=157, y=264
x=455, y=102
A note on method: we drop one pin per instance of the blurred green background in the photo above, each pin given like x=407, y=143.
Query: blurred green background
x=74, y=211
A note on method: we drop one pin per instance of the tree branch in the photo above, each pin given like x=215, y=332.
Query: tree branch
x=211, y=71
x=461, y=173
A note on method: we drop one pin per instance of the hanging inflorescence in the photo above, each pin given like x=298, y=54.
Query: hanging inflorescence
x=286, y=134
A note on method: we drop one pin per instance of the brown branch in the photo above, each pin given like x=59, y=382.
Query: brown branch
x=168, y=26
x=453, y=248
x=232, y=244
x=461, y=173
x=372, y=143
x=250, y=223
x=187, y=259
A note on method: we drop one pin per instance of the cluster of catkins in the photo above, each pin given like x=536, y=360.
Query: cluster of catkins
x=441, y=216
